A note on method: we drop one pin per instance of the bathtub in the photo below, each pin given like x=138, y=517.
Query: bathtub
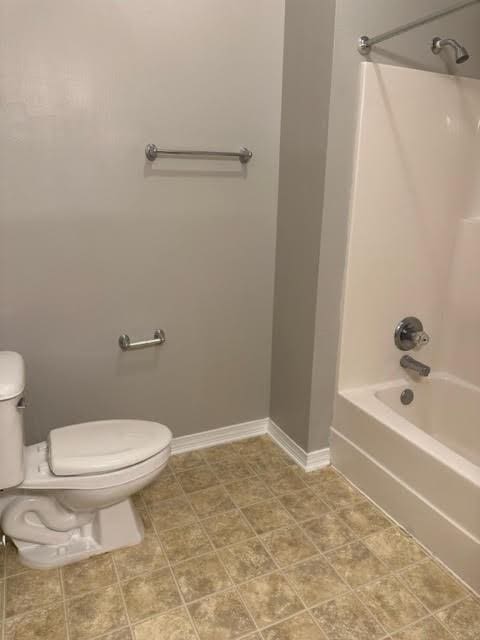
x=420, y=462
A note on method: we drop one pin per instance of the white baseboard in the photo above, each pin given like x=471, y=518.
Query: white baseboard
x=308, y=461
x=223, y=435
x=214, y=437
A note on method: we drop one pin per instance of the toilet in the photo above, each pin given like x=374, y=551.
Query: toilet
x=68, y=498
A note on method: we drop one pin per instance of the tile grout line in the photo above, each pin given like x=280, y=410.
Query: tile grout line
x=64, y=602
x=281, y=571
x=124, y=602
x=425, y=549
x=169, y=564
x=356, y=538
x=235, y=587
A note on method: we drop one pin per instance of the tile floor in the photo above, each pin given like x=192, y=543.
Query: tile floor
x=242, y=544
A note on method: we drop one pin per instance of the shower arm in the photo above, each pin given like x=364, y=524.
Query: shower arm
x=365, y=43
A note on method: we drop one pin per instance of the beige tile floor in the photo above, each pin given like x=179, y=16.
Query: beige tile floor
x=242, y=544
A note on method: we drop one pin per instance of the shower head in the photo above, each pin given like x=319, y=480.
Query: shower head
x=461, y=54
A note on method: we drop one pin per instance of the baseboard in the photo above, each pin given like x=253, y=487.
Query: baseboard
x=308, y=461
x=223, y=435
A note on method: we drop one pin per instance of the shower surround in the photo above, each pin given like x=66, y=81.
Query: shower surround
x=414, y=250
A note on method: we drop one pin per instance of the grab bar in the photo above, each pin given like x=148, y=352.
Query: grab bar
x=127, y=345
x=244, y=155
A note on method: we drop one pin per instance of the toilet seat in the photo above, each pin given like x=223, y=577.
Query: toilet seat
x=104, y=446
x=38, y=474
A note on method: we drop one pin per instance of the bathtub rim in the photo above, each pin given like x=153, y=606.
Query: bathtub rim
x=365, y=398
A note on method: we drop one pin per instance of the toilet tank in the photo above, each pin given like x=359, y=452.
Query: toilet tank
x=12, y=385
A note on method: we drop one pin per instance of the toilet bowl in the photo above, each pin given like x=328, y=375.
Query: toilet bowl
x=68, y=498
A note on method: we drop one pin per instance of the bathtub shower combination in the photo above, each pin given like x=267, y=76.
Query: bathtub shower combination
x=407, y=425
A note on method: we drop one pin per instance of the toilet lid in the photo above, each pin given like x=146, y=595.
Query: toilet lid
x=106, y=445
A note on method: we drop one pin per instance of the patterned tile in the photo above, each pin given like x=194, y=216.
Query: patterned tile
x=143, y=557
x=48, y=622
x=201, y=577
x=433, y=586
x=209, y=502
x=346, y=618
x=96, y=613
x=165, y=487
x=220, y=453
x=303, y=505
x=356, y=564
x=300, y=627
x=184, y=461
x=89, y=575
x=174, y=625
x=267, y=516
x=266, y=462
x=336, y=492
x=462, y=619
x=392, y=604
x=231, y=470
x=248, y=491
x=288, y=546
x=246, y=560
x=197, y=479
x=150, y=594
x=426, y=629
x=119, y=634
x=315, y=581
x=283, y=480
x=185, y=542
x=221, y=617
x=270, y=598
x=328, y=531
x=32, y=590
x=227, y=528
x=363, y=518
x=394, y=548
x=169, y=514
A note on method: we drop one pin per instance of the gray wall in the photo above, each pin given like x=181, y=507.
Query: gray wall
x=354, y=18
x=95, y=241
x=305, y=103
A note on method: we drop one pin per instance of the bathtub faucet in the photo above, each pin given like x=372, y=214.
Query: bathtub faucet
x=407, y=362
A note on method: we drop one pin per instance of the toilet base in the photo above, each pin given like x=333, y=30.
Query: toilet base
x=112, y=528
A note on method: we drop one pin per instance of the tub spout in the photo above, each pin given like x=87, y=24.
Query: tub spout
x=407, y=362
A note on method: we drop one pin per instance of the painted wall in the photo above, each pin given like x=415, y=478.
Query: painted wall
x=354, y=18
x=305, y=103
x=96, y=241
x=414, y=192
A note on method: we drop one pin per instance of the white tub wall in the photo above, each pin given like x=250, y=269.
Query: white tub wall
x=412, y=185
x=460, y=340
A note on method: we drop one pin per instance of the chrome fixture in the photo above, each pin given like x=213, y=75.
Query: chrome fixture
x=152, y=152
x=407, y=362
x=461, y=54
x=409, y=334
x=407, y=396
x=126, y=344
x=365, y=43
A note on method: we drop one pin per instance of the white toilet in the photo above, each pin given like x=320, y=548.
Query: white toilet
x=66, y=499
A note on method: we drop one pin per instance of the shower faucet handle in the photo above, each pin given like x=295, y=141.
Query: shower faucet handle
x=409, y=334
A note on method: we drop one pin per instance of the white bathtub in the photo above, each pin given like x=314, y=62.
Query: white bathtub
x=420, y=462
